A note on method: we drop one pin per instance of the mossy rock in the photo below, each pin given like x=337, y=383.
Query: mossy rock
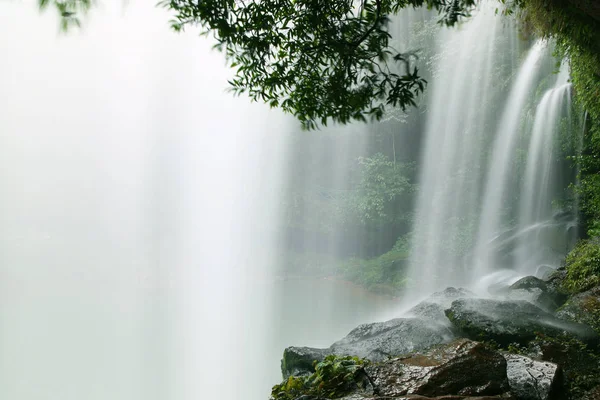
x=300, y=361
x=583, y=308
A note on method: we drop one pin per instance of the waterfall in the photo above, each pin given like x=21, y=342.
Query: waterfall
x=138, y=211
x=460, y=95
x=499, y=167
x=537, y=191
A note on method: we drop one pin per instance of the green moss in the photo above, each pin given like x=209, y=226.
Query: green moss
x=583, y=266
x=334, y=377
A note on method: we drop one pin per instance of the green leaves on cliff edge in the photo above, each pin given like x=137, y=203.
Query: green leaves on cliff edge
x=320, y=60
x=334, y=377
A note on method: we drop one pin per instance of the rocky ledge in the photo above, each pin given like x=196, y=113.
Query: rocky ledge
x=456, y=346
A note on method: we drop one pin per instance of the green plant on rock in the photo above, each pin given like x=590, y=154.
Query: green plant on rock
x=516, y=348
x=334, y=377
x=583, y=266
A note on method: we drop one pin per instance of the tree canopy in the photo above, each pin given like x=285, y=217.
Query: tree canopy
x=320, y=60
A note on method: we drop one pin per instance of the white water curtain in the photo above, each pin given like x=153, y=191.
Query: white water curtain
x=137, y=206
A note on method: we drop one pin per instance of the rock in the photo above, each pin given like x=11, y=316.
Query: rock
x=382, y=340
x=376, y=342
x=535, y=296
x=535, y=291
x=530, y=282
x=508, y=322
x=544, y=272
x=433, y=307
x=506, y=396
x=430, y=311
x=556, y=279
x=299, y=360
x=462, y=367
x=532, y=380
x=583, y=308
x=448, y=295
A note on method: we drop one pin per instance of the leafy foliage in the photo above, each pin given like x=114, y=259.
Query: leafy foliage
x=378, y=195
x=385, y=274
x=382, y=183
x=316, y=59
x=334, y=377
x=583, y=266
x=68, y=10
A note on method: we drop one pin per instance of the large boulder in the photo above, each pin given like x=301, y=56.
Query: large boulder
x=432, y=308
x=462, y=367
x=532, y=380
x=375, y=341
x=535, y=291
x=583, y=308
x=382, y=340
x=508, y=322
x=299, y=360
x=448, y=295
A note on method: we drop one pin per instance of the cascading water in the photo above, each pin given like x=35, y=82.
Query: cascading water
x=453, y=150
x=468, y=161
x=535, y=214
x=499, y=167
x=138, y=212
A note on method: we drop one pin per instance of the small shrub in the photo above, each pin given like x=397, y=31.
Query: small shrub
x=333, y=377
x=583, y=266
x=386, y=271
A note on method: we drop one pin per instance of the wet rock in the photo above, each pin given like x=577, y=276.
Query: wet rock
x=507, y=396
x=448, y=295
x=583, y=308
x=544, y=272
x=461, y=367
x=535, y=296
x=530, y=282
x=430, y=311
x=433, y=307
x=530, y=379
x=382, y=340
x=299, y=360
x=509, y=322
x=376, y=342
x=556, y=279
x=536, y=291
